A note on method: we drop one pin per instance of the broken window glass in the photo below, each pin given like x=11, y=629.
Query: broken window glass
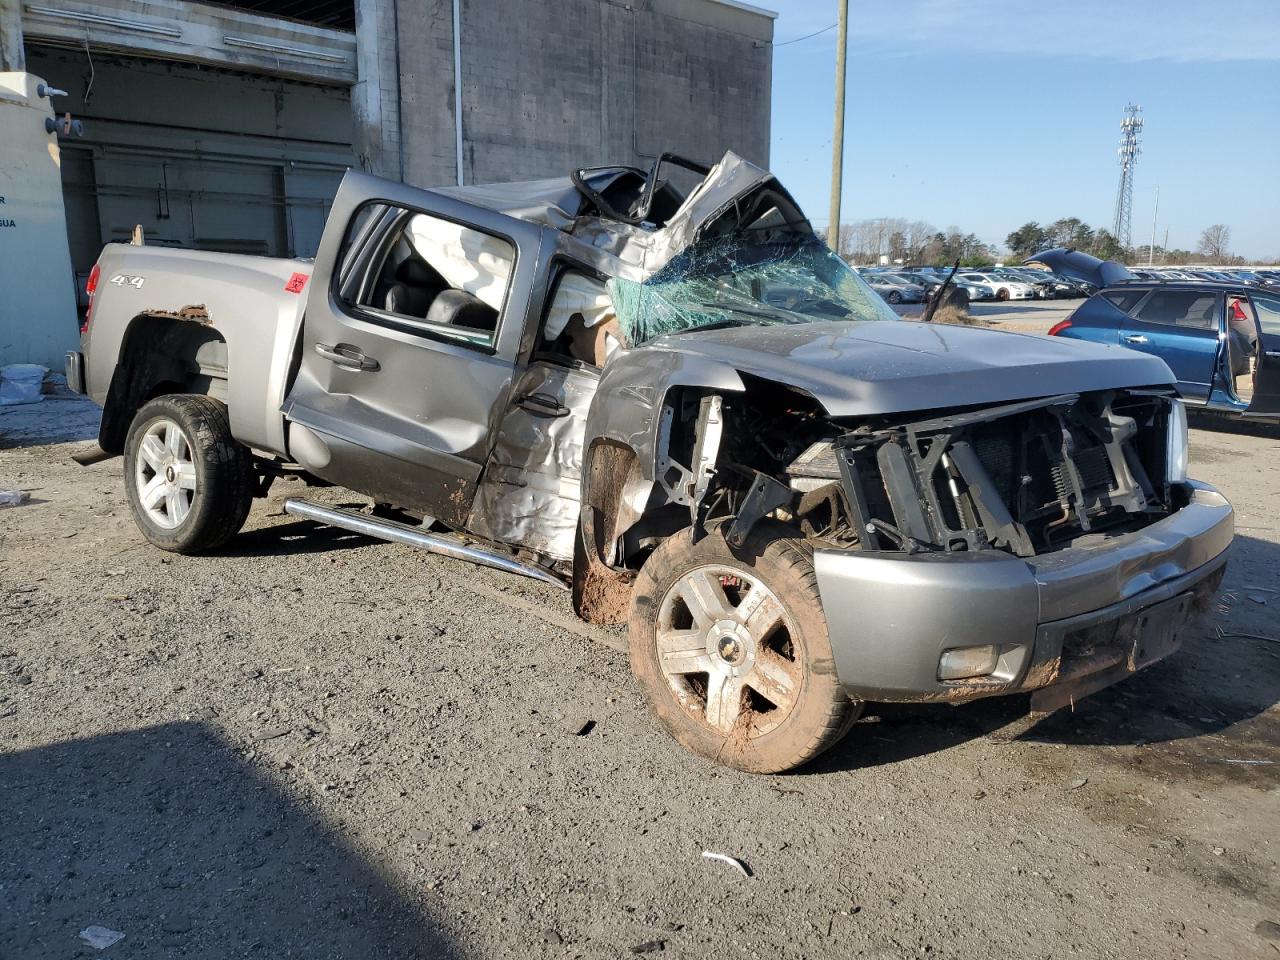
x=737, y=283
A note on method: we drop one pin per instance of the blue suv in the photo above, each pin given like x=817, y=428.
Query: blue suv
x=1221, y=339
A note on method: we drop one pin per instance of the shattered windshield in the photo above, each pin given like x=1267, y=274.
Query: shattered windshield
x=724, y=284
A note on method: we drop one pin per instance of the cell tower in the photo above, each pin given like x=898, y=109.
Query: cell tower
x=1130, y=147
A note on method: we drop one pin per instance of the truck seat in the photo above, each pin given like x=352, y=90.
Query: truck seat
x=416, y=287
x=460, y=309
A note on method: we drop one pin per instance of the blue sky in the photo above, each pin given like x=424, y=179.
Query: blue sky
x=985, y=114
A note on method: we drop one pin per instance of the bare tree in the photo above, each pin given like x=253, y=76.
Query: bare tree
x=1214, y=241
x=848, y=241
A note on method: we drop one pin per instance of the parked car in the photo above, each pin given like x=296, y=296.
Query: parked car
x=893, y=289
x=1048, y=286
x=1003, y=287
x=797, y=511
x=1220, y=338
x=960, y=293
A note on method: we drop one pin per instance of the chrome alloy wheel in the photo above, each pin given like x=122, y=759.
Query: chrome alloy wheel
x=724, y=646
x=165, y=474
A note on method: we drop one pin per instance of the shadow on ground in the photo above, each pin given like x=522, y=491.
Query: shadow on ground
x=1230, y=423
x=58, y=419
x=1214, y=685
x=167, y=835
x=293, y=537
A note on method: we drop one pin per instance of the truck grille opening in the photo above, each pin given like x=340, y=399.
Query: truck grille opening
x=1024, y=477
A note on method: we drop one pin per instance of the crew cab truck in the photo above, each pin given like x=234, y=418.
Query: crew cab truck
x=681, y=406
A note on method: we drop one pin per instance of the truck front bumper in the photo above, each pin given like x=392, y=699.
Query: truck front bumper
x=1073, y=620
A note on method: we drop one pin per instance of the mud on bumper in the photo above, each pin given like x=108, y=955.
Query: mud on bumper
x=1064, y=624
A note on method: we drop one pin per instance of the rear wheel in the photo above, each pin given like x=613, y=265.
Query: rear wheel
x=894, y=297
x=188, y=481
x=1002, y=294
x=731, y=647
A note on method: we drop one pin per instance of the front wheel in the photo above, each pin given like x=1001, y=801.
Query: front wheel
x=894, y=296
x=731, y=648
x=1002, y=294
x=188, y=481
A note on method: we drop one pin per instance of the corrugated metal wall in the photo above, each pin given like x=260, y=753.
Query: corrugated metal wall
x=200, y=157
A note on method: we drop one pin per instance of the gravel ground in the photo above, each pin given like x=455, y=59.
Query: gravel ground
x=316, y=745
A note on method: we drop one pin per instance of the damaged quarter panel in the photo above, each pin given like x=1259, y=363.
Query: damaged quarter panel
x=243, y=298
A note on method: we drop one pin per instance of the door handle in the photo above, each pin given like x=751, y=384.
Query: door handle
x=346, y=356
x=543, y=404
x=1273, y=354
x=1135, y=338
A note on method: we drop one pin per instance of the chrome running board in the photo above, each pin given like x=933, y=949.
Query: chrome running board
x=442, y=544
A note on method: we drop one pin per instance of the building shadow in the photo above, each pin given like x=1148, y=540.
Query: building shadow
x=55, y=419
x=1233, y=423
x=1225, y=677
x=167, y=835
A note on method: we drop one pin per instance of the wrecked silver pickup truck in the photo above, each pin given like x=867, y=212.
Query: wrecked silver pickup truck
x=685, y=408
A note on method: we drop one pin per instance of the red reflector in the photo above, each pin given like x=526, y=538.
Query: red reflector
x=90, y=288
x=1058, y=327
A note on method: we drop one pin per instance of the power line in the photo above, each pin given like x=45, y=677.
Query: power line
x=806, y=36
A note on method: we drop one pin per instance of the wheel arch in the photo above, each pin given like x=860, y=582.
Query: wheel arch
x=162, y=353
x=620, y=465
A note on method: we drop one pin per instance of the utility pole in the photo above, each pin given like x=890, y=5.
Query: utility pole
x=837, y=135
x=1151, y=253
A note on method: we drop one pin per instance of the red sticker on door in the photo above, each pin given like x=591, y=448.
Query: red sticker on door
x=296, y=283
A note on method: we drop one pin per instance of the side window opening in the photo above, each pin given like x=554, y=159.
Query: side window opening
x=1182, y=308
x=580, y=322
x=1124, y=300
x=434, y=275
x=1268, y=311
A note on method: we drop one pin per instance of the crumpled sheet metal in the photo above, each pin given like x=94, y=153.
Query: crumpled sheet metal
x=531, y=488
x=637, y=251
x=641, y=252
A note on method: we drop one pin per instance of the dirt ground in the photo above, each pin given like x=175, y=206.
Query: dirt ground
x=316, y=745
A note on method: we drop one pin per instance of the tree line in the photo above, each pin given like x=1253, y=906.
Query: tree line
x=1214, y=246
x=919, y=242
x=911, y=241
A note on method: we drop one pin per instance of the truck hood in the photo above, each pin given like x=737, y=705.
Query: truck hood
x=860, y=368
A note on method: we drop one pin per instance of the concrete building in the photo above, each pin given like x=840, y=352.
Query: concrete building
x=228, y=126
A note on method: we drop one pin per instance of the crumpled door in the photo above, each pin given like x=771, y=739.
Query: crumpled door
x=529, y=493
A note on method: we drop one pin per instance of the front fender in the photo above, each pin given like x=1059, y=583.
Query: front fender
x=633, y=388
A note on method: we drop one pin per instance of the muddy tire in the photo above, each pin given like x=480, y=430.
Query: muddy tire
x=732, y=651
x=189, y=482
x=1002, y=294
